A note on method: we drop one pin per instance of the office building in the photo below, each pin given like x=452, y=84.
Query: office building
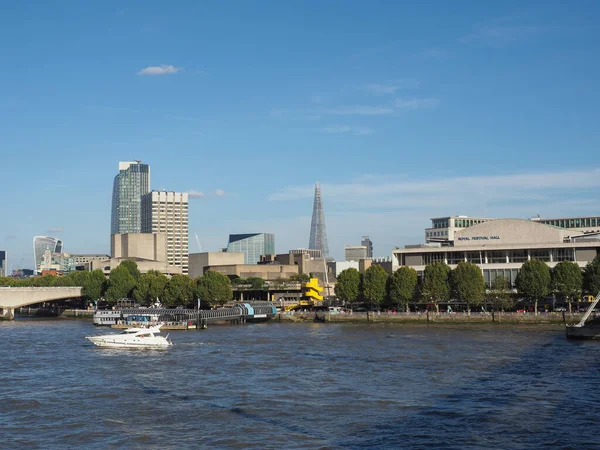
x=167, y=212
x=367, y=243
x=501, y=246
x=252, y=245
x=41, y=244
x=82, y=259
x=355, y=252
x=131, y=183
x=3, y=264
x=318, y=232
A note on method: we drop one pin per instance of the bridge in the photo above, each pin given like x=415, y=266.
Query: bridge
x=16, y=297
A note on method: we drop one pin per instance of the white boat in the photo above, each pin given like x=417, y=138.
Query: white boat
x=586, y=329
x=133, y=338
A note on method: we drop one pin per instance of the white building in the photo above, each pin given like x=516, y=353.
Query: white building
x=167, y=212
x=501, y=246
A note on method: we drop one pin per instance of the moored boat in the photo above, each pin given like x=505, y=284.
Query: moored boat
x=586, y=329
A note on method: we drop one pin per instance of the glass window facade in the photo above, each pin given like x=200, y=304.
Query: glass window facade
x=129, y=185
x=3, y=267
x=252, y=245
x=40, y=244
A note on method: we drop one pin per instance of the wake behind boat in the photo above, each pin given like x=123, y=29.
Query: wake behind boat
x=133, y=338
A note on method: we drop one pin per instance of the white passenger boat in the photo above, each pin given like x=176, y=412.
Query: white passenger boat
x=133, y=338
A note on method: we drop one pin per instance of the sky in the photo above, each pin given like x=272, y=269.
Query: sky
x=403, y=111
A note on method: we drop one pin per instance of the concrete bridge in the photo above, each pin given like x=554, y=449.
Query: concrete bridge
x=15, y=297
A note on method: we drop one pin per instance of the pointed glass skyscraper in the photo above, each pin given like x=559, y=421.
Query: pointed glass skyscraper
x=130, y=184
x=318, y=233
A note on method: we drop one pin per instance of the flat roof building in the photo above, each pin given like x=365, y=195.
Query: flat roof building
x=501, y=246
x=355, y=252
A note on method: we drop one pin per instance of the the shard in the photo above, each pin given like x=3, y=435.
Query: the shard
x=318, y=233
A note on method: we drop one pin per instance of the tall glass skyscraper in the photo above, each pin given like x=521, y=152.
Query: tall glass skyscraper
x=252, y=245
x=130, y=184
x=3, y=264
x=40, y=244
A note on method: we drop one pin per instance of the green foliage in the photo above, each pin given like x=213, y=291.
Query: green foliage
x=120, y=284
x=214, y=288
x=402, y=286
x=374, y=284
x=132, y=267
x=436, y=285
x=347, y=285
x=300, y=278
x=149, y=287
x=591, y=277
x=95, y=285
x=180, y=290
x=567, y=280
x=533, y=280
x=498, y=296
x=256, y=283
x=237, y=281
x=468, y=283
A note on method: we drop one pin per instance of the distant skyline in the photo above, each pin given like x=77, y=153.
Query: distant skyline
x=403, y=112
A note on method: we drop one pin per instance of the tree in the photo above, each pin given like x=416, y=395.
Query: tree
x=150, y=286
x=347, y=285
x=591, y=277
x=402, y=286
x=498, y=295
x=120, y=284
x=533, y=281
x=468, y=284
x=436, y=286
x=94, y=286
x=132, y=267
x=214, y=288
x=567, y=281
x=256, y=283
x=374, y=284
x=180, y=290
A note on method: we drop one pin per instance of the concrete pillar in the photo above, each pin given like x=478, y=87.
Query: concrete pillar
x=7, y=314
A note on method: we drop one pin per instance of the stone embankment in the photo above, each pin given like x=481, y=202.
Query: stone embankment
x=432, y=317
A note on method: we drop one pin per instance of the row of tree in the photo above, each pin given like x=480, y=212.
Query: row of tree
x=466, y=284
x=126, y=281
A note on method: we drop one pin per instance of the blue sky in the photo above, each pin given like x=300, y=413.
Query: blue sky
x=403, y=111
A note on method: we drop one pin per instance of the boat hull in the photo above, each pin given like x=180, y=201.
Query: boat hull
x=148, y=343
x=583, y=332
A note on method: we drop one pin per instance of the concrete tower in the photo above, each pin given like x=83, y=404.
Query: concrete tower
x=318, y=233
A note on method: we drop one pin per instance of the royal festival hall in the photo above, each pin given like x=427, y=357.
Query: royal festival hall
x=501, y=246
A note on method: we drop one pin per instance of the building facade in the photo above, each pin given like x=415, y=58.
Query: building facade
x=167, y=212
x=501, y=246
x=443, y=228
x=355, y=252
x=366, y=241
x=318, y=231
x=130, y=184
x=3, y=264
x=82, y=259
x=40, y=245
x=200, y=261
x=252, y=245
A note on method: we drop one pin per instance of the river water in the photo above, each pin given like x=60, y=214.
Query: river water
x=299, y=386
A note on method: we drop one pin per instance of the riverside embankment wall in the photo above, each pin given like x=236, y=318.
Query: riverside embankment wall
x=459, y=318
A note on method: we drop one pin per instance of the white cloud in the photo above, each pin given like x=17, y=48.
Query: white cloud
x=196, y=194
x=220, y=193
x=358, y=111
x=391, y=87
x=503, y=31
x=397, y=212
x=55, y=230
x=159, y=70
x=357, y=131
x=415, y=103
